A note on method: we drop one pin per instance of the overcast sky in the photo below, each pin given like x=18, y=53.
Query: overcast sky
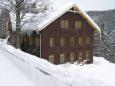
x=96, y=4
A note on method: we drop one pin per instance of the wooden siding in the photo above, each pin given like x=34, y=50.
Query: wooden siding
x=54, y=30
x=31, y=44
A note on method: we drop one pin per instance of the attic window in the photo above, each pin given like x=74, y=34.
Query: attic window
x=64, y=24
x=78, y=24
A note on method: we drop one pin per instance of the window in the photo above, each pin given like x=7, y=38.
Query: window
x=88, y=40
x=51, y=58
x=87, y=54
x=72, y=56
x=78, y=24
x=62, y=58
x=64, y=24
x=72, y=41
x=37, y=44
x=51, y=42
x=62, y=41
x=80, y=40
x=80, y=56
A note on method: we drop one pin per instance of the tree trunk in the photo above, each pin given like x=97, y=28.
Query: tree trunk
x=18, y=30
x=18, y=25
x=18, y=40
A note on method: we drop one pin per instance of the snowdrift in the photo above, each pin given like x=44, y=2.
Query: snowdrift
x=43, y=73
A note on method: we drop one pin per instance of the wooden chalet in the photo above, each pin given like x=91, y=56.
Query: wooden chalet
x=66, y=36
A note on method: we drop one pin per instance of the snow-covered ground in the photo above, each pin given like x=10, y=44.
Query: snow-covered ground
x=10, y=75
x=21, y=69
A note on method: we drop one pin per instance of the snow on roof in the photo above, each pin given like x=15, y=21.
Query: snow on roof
x=88, y=19
x=40, y=21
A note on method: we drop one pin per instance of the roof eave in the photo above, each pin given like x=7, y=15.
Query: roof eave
x=81, y=12
x=88, y=19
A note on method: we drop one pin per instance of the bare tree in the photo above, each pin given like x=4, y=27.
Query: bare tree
x=20, y=8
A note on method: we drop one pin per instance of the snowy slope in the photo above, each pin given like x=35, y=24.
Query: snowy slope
x=10, y=75
x=21, y=71
x=42, y=73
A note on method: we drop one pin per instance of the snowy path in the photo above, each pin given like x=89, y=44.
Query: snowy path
x=10, y=75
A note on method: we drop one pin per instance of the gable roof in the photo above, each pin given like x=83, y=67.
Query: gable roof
x=40, y=21
x=80, y=11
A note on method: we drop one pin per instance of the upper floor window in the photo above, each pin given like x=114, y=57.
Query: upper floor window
x=88, y=40
x=80, y=40
x=62, y=41
x=78, y=24
x=72, y=41
x=64, y=24
x=51, y=58
x=51, y=42
x=62, y=58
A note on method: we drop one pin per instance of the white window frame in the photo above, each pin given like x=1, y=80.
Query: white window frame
x=51, y=58
x=78, y=24
x=72, y=56
x=64, y=24
x=62, y=58
x=62, y=41
x=72, y=41
x=51, y=42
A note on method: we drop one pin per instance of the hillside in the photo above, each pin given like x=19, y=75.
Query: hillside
x=107, y=17
x=10, y=74
x=21, y=69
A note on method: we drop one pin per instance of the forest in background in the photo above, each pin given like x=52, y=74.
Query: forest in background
x=105, y=45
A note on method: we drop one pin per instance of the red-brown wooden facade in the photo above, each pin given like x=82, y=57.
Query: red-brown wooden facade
x=54, y=30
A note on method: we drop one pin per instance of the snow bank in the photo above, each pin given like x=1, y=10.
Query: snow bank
x=100, y=73
x=10, y=75
x=33, y=67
